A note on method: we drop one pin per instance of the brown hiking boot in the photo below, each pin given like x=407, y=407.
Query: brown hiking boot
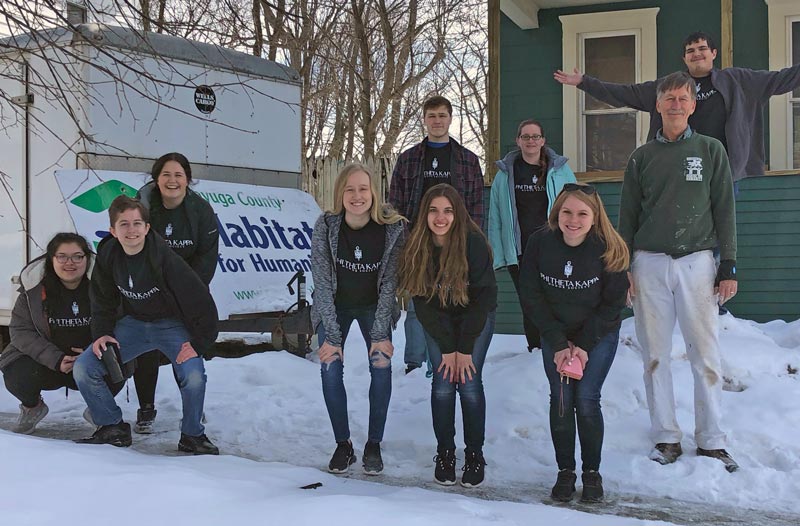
x=721, y=455
x=665, y=453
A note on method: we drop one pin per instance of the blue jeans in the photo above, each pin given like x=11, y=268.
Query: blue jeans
x=473, y=400
x=136, y=337
x=416, y=351
x=380, y=370
x=581, y=402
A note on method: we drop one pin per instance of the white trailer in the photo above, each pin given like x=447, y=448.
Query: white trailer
x=110, y=98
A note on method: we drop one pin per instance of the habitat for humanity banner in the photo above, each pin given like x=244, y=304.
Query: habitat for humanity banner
x=264, y=233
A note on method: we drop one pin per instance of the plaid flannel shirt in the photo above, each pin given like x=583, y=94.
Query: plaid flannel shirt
x=405, y=192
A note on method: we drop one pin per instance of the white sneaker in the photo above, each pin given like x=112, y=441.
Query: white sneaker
x=29, y=417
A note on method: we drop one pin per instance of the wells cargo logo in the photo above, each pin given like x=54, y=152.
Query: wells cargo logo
x=98, y=199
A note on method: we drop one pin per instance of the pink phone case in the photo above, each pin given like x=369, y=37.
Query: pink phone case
x=572, y=369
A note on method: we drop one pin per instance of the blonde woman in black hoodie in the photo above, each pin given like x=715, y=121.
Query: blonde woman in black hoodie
x=573, y=284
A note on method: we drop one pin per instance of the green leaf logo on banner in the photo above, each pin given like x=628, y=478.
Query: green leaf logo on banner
x=99, y=198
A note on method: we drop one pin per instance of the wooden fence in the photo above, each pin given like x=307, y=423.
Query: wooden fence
x=318, y=176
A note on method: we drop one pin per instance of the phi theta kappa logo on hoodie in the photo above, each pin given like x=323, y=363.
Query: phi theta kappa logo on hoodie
x=694, y=168
x=168, y=230
x=130, y=282
x=435, y=163
x=75, y=309
x=358, y=253
x=568, y=269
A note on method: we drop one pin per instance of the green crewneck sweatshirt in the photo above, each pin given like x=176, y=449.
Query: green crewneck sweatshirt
x=677, y=198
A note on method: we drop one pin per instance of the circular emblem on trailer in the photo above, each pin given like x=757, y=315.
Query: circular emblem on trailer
x=204, y=99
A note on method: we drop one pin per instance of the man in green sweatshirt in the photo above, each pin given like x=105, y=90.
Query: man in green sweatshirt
x=677, y=204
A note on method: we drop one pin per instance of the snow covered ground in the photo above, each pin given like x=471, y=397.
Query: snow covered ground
x=267, y=414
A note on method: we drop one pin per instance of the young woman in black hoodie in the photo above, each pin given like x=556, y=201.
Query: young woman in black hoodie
x=447, y=268
x=573, y=284
x=187, y=223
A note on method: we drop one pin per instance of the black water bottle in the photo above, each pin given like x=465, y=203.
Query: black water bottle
x=112, y=363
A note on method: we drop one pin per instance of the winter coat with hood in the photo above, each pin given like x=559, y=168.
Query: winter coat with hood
x=324, y=247
x=181, y=288
x=203, y=224
x=505, y=236
x=29, y=329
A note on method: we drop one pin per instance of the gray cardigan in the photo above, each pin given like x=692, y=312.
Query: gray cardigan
x=745, y=91
x=324, y=245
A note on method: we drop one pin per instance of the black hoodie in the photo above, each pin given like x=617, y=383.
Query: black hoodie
x=179, y=292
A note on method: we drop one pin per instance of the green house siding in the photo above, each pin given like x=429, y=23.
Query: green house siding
x=768, y=264
x=528, y=58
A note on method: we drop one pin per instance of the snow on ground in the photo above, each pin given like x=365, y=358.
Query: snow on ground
x=267, y=412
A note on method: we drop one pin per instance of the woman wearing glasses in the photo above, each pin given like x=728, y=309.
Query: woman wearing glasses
x=573, y=285
x=523, y=191
x=187, y=223
x=49, y=327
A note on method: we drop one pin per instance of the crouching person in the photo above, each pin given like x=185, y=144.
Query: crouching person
x=164, y=305
x=49, y=327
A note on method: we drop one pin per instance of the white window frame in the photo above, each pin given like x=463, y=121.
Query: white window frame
x=583, y=112
x=575, y=29
x=781, y=14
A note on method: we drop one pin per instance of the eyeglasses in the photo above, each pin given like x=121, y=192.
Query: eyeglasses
x=531, y=137
x=75, y=258
x=585, y=188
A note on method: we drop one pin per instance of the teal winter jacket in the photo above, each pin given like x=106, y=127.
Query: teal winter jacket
x=505, y=236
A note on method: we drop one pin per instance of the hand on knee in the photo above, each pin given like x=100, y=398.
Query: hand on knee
x=379, y=360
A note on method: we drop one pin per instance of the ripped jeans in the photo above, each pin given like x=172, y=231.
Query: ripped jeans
x=380, y=370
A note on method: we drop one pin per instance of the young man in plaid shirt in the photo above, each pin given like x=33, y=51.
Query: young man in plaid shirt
x=437, y=159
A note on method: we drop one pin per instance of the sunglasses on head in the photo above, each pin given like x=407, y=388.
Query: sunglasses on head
x=585, y=188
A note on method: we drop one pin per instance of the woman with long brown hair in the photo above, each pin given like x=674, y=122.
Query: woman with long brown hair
x=447, y=268
x=573, y=283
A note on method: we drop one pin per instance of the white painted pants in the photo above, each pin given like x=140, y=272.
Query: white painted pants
x=668, y=289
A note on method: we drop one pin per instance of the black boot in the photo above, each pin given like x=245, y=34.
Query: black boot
x=372, y=460
x=592, y=486
x=197, y=445
x=342, y=458
x=145, y=417
x=115, y=434
x=564, y=489
x=473, y=469
x=445, y=473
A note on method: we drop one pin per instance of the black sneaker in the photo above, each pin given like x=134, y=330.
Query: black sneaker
x=197, y=445
x=145, y=417
x=372, y=461
x=115, y=434
x=342, y=458
x=445, y=473
x=473, y=469
x=592, y=486
x=722, y=455
x=564, y=489
x=665, y=453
